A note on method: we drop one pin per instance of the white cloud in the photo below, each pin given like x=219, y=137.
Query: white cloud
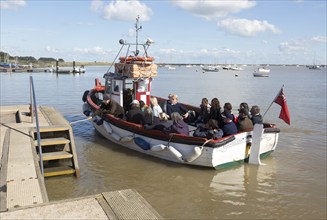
x=319, y=39
x=93, y=51
x=124, y=10
x=12, y=4
x=245, y=27
x=213, y=9
x=96, y=5
x=291, y=47
x=52, y=50
x=301, y=44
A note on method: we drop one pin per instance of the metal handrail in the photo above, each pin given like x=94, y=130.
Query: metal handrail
x=34, y=110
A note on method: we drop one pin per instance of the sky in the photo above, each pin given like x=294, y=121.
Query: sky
x=184, y=31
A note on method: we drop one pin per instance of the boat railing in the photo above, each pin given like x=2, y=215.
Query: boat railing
x=34, y=113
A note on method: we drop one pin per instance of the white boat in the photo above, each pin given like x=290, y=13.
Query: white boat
x=80, y=69
x=211, y=68
x=137, y=73
x=236, y=68
x=261, y=72
x=171, y=67
x=314, y=67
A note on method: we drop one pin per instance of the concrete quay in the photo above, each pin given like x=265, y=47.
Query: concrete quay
x=121, y=204
x=23, y=193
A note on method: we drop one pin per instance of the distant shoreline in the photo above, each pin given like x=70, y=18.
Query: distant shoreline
x=70, y=64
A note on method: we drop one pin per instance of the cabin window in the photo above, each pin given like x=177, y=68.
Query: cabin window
x=143, y=86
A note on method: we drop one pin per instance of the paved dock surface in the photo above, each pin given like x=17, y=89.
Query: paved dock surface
x=22, y=190
x=121, y=204
x=20, y=181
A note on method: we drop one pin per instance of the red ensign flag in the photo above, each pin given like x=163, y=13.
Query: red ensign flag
x=284, y=113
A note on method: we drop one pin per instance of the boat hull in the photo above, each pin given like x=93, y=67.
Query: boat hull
x=256, y=74
x=231, y=151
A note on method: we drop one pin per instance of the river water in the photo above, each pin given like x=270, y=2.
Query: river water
x=291, y=183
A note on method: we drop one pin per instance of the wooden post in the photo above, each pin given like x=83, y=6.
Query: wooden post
x=57, y=65
x=74, y=66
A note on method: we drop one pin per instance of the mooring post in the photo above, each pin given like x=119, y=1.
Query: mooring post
x=74, y=66
x=57, y=65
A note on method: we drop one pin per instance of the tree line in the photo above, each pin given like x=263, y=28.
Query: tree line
x=6, y=58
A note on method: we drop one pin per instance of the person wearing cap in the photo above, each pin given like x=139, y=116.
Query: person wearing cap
x=243, y=122
x=109, y=106
x=229, y=126
x=256, y=117
x=135, y=114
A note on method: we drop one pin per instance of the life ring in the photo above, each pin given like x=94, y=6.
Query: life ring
x=130, y=59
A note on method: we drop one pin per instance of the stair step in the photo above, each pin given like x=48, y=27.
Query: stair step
x=56, y=155
x=52, y=128
x=53, y=141
x=57, y=171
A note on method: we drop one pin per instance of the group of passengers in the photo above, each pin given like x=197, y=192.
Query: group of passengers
x=211, y=121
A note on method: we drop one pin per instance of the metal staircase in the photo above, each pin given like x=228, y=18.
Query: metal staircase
x=58, y=151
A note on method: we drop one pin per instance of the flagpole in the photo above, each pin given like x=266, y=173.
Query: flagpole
x=273, y=101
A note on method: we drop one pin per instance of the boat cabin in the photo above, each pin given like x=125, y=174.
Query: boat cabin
x=131, y=80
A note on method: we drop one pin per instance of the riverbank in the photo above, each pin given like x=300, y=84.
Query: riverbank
x=70, y=64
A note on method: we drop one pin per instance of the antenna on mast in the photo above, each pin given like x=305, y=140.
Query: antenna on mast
x=137, y=28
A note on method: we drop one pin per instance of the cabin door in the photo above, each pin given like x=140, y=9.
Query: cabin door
x=142, y=90
x=117, y=91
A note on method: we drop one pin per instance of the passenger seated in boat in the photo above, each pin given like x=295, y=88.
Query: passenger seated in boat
x=165, y=103
x=163, y=123
x=229, y=126
x=156, y=109
x=174, y=106
x=243, y=121
x=209, y=130
x=135, y=114
x=246, y=106
x=256, y=117
x=178, y=126
x=142, y=105
x=228, y=109
x=204, y=112
x=149, y=119
x=215, y=111
x=109, y=106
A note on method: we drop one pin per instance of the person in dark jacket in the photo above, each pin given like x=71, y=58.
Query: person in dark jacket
x=243, y=122
x=163, y=124
x=204, y=115
x=229, y=126
x=109, y=106
x=210, y=130
x=174, y=106
x=228, y=109
x=135, y=114
x=178, y=126
x=215, y=111
x=256, y=117
x=149, y=118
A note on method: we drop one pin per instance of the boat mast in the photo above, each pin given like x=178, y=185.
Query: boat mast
x=137, y=28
